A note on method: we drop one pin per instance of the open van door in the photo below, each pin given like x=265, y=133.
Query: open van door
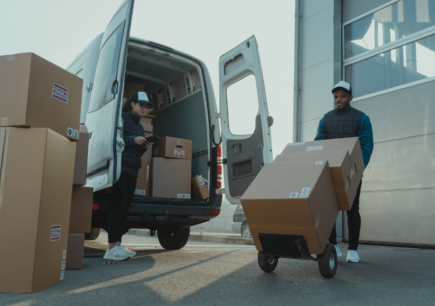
x=245, y=121
x=104, y=120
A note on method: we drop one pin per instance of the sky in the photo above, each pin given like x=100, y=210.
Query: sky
x=60, y=30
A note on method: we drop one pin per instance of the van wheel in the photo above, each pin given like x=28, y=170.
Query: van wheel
x=328, y=262
x=173, y=238
x=267, y=264
x=95, y=232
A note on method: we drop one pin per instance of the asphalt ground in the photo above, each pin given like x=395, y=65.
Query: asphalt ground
x=227, y=274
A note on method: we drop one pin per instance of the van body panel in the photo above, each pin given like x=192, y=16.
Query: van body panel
x=245, y=155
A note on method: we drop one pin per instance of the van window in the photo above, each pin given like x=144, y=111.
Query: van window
x=107, y=68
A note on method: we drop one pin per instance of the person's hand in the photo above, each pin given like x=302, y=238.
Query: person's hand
x=147, y=144
x=139, y=140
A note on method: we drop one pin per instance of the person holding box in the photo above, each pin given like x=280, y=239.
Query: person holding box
x=123, y=190
x=342, y=122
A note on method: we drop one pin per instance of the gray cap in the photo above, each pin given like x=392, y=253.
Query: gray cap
x=142, y=98
x=344, y=86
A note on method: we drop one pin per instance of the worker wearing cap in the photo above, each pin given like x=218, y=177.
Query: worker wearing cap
x=342, y=122
x=123, y=190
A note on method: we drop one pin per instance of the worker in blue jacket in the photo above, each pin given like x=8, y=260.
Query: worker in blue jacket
x=346, y=121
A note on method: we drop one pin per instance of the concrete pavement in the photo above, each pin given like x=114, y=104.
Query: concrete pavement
x=225, y=274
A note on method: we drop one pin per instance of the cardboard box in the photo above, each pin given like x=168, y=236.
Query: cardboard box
x=142, y=180
x=37, y=93
x=147, y=124
x=75, y=251
x=81, y=163
x=132, y=88
x=81, y=210
x=199, y=188
x=171, y=147
x=327, y=148
x=341, y=170
x=293, y=198
x=36, y=176
x=171, y=178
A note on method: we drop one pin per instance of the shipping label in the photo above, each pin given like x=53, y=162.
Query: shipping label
x=55, y=233
x=70, y=132
x=178, y=152
x=319, y=163
x=201, y=180
x=295, y=144
x=10, y=57
x=304, y=195
x=306, y=189
x=315, y=148
x=294, y=194
x=183, y=196
x=60, y=93
x=140, y=192
x=63, y=265
x=76, y=134
x=64, y=254
x=62, y=274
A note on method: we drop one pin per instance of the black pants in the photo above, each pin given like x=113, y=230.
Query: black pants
x=353, y=223
x=122, y=194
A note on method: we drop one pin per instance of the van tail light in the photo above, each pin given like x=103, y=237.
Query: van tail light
x=215, y=212
x=95, y=206
x=219, y=176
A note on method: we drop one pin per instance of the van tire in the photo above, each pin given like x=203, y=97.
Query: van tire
x=174, y=238
x=95, y=232
x=267, y=263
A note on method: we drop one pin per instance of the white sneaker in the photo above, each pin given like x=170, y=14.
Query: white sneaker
x=337, y=249
x=352, y=256
x=116, y=253
x=127, y=251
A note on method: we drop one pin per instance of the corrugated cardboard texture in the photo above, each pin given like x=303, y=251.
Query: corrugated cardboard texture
x=147, y=124
x=35, y=195
x=342, y=144
x=269, y=207
x=26, y=84
x=171, y=147
x=81, y=210
x=142, y=181
x=75, y=251
x=81, y=163
x=340, y=166
x=171, y=178
x=199, y=188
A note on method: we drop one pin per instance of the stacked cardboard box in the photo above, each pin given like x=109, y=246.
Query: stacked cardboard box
x=171, y=168
x=39, y=118
x=199, y=188
x=302, y=191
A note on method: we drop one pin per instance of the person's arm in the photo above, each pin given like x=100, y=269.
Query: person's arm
x=320, y=131
x=365, y=135
x=129, y=141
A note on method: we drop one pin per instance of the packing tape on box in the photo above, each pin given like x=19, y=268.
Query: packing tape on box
x=178, y=142
x=4, y=121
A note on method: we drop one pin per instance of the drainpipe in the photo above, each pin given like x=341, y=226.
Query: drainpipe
x=296, y=72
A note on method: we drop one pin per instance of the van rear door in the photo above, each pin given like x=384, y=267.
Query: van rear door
x=104, y=120
x=244, y=154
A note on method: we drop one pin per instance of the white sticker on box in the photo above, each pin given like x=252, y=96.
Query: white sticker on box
x=70, y=132
x=64, y=254
x=76, y=134
x=178, y=152
x=140, y=192
x=306, y=189
x=63, y=265
x=55, y=233
x=62, y=274
x=289, y=144
x=10, y=57
x=299, y=144
x=183, y=196
x=304, y=195
x=294, y=194
x=201, y=181
x=60, y=93
x=315, y=148
x=319, y=163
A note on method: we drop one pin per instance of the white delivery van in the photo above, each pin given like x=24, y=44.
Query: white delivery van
x=180, y=88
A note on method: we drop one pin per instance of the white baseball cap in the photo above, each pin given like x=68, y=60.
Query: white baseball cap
x=342, y=85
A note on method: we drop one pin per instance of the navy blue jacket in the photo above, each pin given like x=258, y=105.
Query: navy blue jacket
x=365, y=135
x=131, y=157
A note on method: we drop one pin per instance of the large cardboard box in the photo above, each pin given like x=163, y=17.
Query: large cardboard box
x=171, y=147
x=327, y=148
x=81, y=210
x=293, y=198
x=75, y=251
x=142, y=180
x=171, y=178
x=36, y=175
x=81, y=163
x=37, y=93
x=147, y=124
x=341, y=168
x=199, y=188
